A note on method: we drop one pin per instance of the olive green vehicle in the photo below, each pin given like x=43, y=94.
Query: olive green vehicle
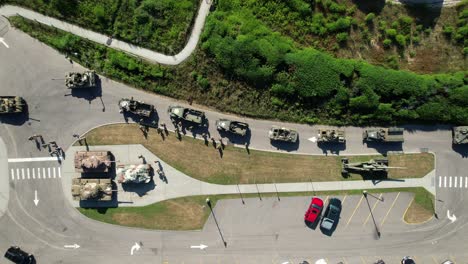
x=283, y=134
x=392, y=134
x=91, y=189
x=331, y=136
x=92, y=161
x=12, y=105
x=85, y=79
x=187, y=114
x=373, y=165
x=460, y=135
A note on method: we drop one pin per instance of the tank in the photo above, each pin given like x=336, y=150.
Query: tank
x=460, y=135
x=282, y=134
x=12, y=105
x=392, y=134
x=331, y=136
x=92, y=161
x=91, y=189
x=85, y=79
x=134, y=173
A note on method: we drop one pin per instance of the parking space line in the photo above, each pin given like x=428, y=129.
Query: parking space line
x=388, y=212
x=355, y=209
x=435, y=261
x=326, y=199
x=344, y=199
x=362, y=260
x=372, y=210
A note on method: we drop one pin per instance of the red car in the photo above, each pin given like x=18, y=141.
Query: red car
x=314, y=211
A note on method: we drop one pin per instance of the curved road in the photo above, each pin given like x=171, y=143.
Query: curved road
x=28, y=69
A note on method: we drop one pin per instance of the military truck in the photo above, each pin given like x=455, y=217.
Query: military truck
x=91, y=189
x=12, y=105
x=331, y=136
x=393, y=134
x=235, y=127
x=373, y=165
x=282, y=134
x=85, y=79
x=135, y=107
x=92, y=161
x=134, y=173
x=460, y=135
x=187, y=114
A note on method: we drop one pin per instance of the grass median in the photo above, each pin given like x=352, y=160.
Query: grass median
x=191, y=213
x=194, y=158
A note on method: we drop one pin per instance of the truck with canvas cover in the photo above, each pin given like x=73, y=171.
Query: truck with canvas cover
x=460, y=135
x=91, y=189
x=12, y=105
x=85, y=79
x=392, y=134
x=92, y=161
x=134, y=173
x=139, y=108
x=331, y=136
x=187, y=114
x=235, y=127
x=283, y=134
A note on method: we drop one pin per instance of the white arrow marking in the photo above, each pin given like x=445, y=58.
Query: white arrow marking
x=4, y=43
x=134, y=247
x=74, y=246
x=36, y=201
x=313, y=139
x=452, y=218
x=201, y=247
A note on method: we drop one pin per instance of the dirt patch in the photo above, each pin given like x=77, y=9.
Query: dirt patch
x=417, y=214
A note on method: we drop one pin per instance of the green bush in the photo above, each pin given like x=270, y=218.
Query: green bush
x=387, y=43
x=401, y=40
x=370, y=17
x=342, y=37
x=391, y=32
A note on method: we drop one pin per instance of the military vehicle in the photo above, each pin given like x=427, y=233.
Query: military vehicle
x=187, y=114
x=377, y=165
x=393, y=134
x=12, y=105
x=135, y=107
x=460, y=135
x=134, y=173
x=92, y=161
x=283, y=134
x=331, y=136
x=86, y=79
x=235, y=127
x=91, y=189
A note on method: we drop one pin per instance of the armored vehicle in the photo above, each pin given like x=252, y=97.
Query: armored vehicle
x=187, y=114
x=91, y=189
x=460, y=135
x=12, y=105
x=377, y=165
x=135, y=107
x=92, y=161
x=134, y=173
x=86, y=79
x=282, y=134
x=331, y=136
x=393, y=134
x=234, y=127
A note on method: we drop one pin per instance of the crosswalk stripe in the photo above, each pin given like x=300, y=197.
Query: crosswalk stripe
x=34, y=173
x=440, y=181
x=445, y=181
x=466, y=182
x=12, y=174
x=455, y=185
x=17, y=174
x=38, y=173
x=59, y=172
x=28, y=173
x=48, y=172
x=43, y=173
x=22, y=173
x=450, y=182
x=461, y=182
x=54, y=172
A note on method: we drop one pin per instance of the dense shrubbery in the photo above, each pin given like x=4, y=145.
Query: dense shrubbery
x=162, y=25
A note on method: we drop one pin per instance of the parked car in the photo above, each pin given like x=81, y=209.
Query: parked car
x=314, y=211
x=407, y=260
x=332, y=214
x=18, y=256
x=448, y=262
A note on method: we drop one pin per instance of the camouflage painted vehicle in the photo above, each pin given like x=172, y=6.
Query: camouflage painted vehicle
x=85, y=79
x=331, y=136
x=187, y=114
x=92, y=161
x=373, y=165
x=135, y=107
x=12, y=105
x=91, y=189
x=134, y=173
x=235, y=127
x=282, y=134
x=460, y=135
x=393, y=134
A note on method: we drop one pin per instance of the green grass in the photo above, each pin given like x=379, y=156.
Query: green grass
x=190, y=213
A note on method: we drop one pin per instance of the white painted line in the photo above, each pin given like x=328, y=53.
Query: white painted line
x=461, y=182
x=22, y=173
x=455, y=178
x=54, y=172
x=33, y=173
x=466, y=182
x=12, y=172
x=48, y=172
x=33, y=159
x=4, y=43
x=445, y=181
x=28, y=173
x=450, y=182
x=43, y=173
x=440, y=181
x=59, y=172
x=17, y=174
x=38, y=173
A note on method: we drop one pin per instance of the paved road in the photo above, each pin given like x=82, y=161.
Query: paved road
x=27, y=68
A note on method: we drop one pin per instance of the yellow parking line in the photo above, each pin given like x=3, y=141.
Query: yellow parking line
x=344, y=199
x=391, y=207
x=362, y=260
x=435, y=261
x=372, y=210
x=355, y=209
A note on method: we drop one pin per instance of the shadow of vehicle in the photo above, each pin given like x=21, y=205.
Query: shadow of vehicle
x=236, y=139
x=151, y=121
x=461, y=149
x=17, y=119
x=366, y=6
x=141, y=189
x=333, y=148
x=383, y=148
x=427, y=128
x=311, y=225
x=286, y=146
x=88, y=94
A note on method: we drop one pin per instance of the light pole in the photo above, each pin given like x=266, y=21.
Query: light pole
x=372, y=215
x=208, y=202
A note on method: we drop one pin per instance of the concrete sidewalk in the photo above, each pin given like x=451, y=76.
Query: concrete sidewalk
x=155, y=57
x=180, y=184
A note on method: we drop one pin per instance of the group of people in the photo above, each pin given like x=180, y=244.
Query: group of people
x=51, y=146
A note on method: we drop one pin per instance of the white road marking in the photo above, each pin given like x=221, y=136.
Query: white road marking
x=38, y=173
x=28, y=173
x=466, y=182
x=313, y=139
x=43, y=173
x=461, y=182
x=445, y=181
x=455, y=178
x=59, y=173
x=54, y=172
x=440, y=181
x=33, y=173
x=33, y=159
x=48, y=172
x=17, y=174
x=4, y=43
x=450, y=182
x=22, y=173
x=12, y=174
